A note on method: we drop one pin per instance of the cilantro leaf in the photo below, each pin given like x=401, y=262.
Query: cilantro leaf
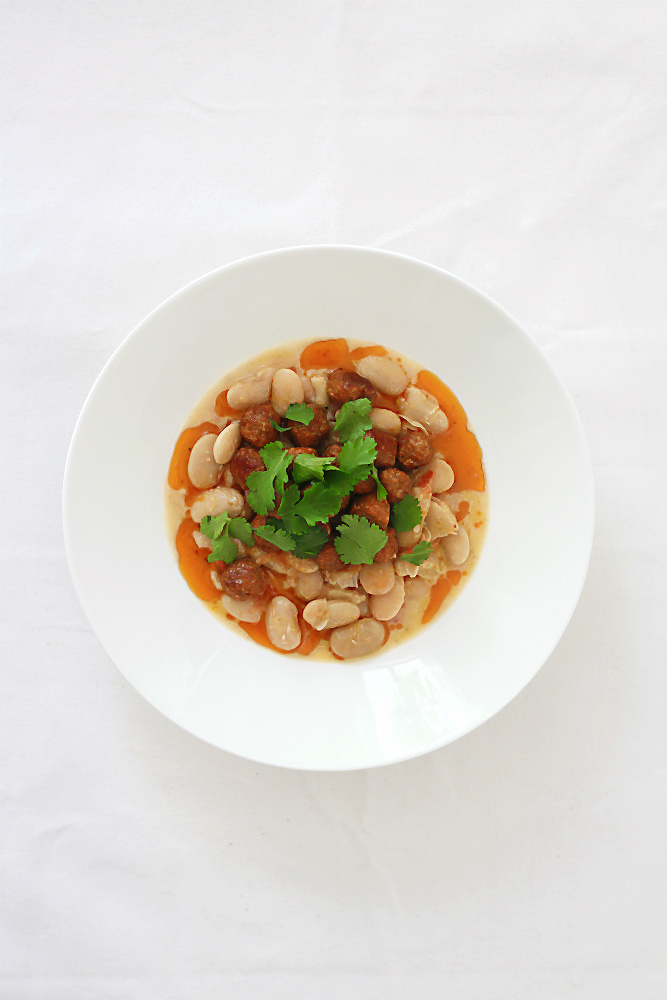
x=307, y=467
x=277, y=536
x=310, y=542
x=381, y=491
x=287, y=511
x=318, y=504
x=358, y=540
x=300, y=413
x=420, y=552
x=406, y=514
x=263, y=484
x=213, y=527
x=223, y=549
x=357, y=451
x=240, y=528
x=342, y=482
x=354, y=418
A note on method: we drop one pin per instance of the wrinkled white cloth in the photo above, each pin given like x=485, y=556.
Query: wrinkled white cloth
x=520, y=146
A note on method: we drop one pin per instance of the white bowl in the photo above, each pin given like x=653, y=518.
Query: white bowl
x=293, y=711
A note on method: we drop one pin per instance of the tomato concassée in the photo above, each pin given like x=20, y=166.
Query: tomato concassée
x=327, y=498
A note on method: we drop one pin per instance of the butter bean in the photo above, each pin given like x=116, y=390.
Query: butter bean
x=457, y=547
x=251, y=390
x=387, y=421
x=203, y=470
x=217, y=501
x=386, y=375
x=286, y=389
x=243, y=609
x=282, y=624
x=359, y=639
x=386, y=606
x=378, y=578
x=227, y=442
x=440, y=519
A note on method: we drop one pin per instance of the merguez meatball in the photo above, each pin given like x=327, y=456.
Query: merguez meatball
x=414, y=449
x=396, y=483
x=386, y=448
x=328, y=559
x=390, y=550
x=333, y=451
x=308, y=435
x=344, y=386
x=375, y=511
x=256, y=426
x=300, y=451
x=245, y=461
x=243, y=578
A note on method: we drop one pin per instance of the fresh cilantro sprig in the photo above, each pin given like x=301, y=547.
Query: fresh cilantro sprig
x=222, y=530
x=357, y=451
x=310, y=542
x=419, y=554
x=358, y=541
x=263, y=484
x=307, y=467
x=318, y=504
x=354, y=419
x=406, y=514
x=381, y=492
x=300, y=413
x=278, y=536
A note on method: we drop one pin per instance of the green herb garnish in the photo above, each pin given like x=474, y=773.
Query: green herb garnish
x=354, y=419
x=318, y=504
x=307, y=467
x=358, y=540
x=222, y=530
x=355, y=452
x=278, y=536
x=381, y=492
x=310, y=542
x=300, y=413
x=406, y=514
x=263, y=484
x=419, y=554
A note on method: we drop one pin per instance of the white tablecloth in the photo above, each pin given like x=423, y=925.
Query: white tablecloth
x=520, y=146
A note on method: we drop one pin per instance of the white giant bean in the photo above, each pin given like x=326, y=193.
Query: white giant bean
x=203, y=470
x=282, y=624
x=320, y=389
x=251, y=390
x=227, y=442
x=359, y=639
x=457, y=547
x=386, y=375
x=378, y=578
x=387, y=421
x=247, y=609
x=440, y=519
x=443, y=475
x=323, y=614
x=385, y=606
x=423, y=407
x=220, y=500
x=287, y=388
x=309, y=585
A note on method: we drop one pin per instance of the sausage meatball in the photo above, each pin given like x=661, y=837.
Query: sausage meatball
x=328, y=559
x=243, y=578
x=256, y=426
x=414, y=449
x=390, y=550
x=301, y=451
x=307, y=435
x=365, y=486
x=386, y=448
x=258, y=522
x=333, y=451
x=396, y=483
x=376, y=511
x=245, y=461
x=344, y=386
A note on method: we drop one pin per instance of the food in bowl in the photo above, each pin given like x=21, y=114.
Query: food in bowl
x=327, y=498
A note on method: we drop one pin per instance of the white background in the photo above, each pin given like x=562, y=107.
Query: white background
x=520, y=146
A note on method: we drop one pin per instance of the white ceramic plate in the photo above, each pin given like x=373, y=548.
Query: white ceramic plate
x=293, y=711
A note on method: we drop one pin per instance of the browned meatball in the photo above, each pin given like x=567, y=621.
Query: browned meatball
x=376, y=511
x=256, y=426
x=345, y=503
x=258, y=522
x=414, y=449
x=389, y=551
x=396, y=483
x=344, y=386
x=365, y=486
x=243, y=578
x=328, y=559
x=301, y=451
x=333, y=451
x=245, y=461
x=386, y=448
x=307, y=435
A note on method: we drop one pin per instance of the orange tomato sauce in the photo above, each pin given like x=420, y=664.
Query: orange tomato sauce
x=222, y=407
x=193, y=562
x=457, y=444
x=439, y=591
x=327, y=354
x=178, y=469
x=359, y=353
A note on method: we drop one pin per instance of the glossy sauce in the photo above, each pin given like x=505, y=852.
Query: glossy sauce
x=327, y=354
x=178, y=469
x=222, y=407
x=458, y=445
x=193, y=562
x=439, y=591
